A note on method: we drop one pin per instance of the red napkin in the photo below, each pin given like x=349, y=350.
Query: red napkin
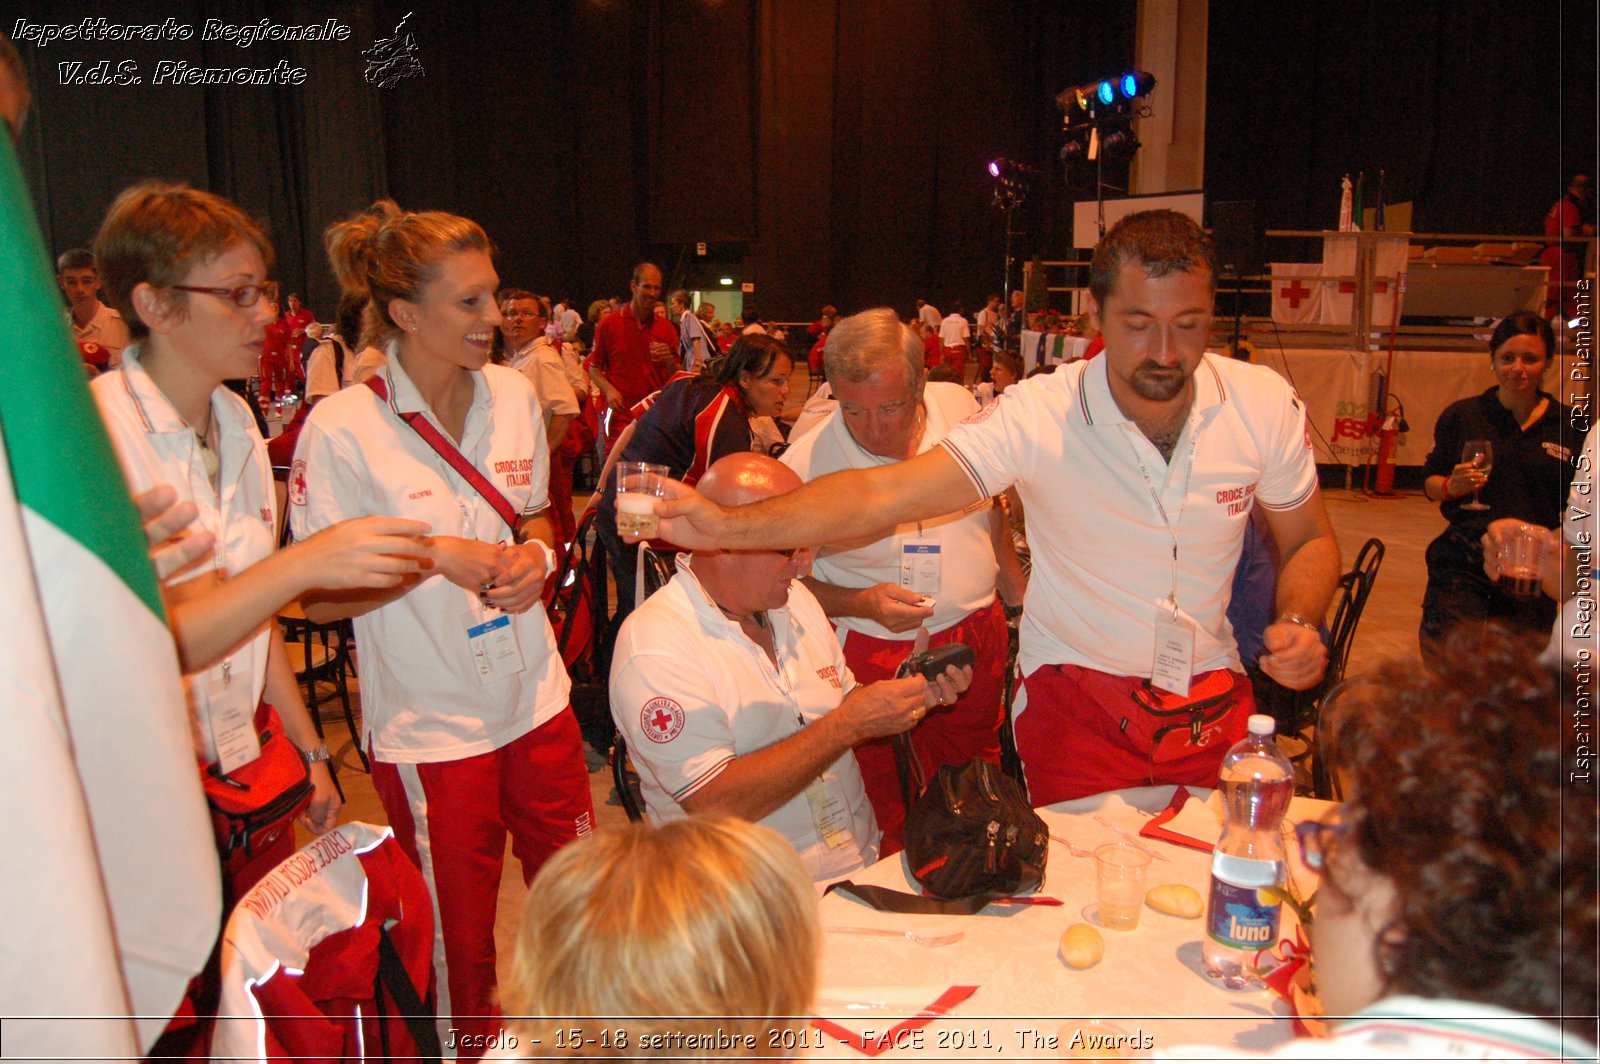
x=1153, y=827
x=889, y=1039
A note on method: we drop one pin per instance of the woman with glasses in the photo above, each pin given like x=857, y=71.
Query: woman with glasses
x=187, y=271
x=1457, y=914
x=464, y=696
x=689, y=424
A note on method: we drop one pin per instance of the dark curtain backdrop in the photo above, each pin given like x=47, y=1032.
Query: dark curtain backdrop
x=1477, y=111
x=823, y=149
x=826, y=150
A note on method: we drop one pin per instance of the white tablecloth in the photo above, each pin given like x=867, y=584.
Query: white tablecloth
x=1150, y=980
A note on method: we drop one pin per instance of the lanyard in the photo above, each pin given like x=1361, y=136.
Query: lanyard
x=1183, y=500
x=447, y=450
x=777, y=675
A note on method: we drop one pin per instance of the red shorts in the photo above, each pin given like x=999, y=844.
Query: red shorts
x=952, y=735
x=1072, y=744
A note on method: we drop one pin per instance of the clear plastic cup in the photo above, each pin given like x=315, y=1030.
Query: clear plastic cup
x=1521, y=555
x=639, y=485
x=1119, y=884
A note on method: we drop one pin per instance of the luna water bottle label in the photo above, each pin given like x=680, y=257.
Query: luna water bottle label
x=1243, y=918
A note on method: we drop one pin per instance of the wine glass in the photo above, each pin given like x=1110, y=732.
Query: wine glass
x=1479, y=454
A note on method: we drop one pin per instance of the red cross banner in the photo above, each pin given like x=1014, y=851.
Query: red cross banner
x=1339, y=260
x=1296, y=292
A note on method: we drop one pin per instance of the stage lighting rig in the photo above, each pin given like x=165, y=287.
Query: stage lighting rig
x=1098, y=116
x=1109, y=98
x=1012, y=182
x=1011, y=172
x=1098, y=125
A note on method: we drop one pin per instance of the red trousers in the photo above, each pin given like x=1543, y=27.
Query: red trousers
x=561, y=519
x=1071, y=743
x=949, y=735
x=956, y=357
x=277, y=378
x=452, y=817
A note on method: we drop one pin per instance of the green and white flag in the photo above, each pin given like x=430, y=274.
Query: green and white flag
x=111, y=896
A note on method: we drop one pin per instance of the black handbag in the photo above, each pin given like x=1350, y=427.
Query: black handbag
x=970, y=839
x=973, y=832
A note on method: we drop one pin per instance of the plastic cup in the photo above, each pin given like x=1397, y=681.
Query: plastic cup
x=639, y=485
x=1119, y=884
x=1521, y=553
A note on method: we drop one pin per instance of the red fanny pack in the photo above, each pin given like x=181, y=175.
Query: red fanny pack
x=1172, y=725
x=252, y=806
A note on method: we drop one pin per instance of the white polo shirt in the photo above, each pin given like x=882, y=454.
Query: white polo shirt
x=690, y=692
x=1102, y=552
x=106, y=328
x=929, y=315
x=540, y=362
x=987, y=320
x=421, y=695
x=954, y=331
x=156, y=446
x=322, y=371
x=967, y=568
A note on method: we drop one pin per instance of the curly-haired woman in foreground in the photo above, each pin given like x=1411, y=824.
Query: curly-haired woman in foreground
x=1457, y=915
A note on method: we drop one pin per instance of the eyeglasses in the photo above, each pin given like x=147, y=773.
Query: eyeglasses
x=246, y=295
x=521, y=314
x=1316, y=840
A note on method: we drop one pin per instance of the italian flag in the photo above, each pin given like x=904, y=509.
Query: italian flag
x=111, y=895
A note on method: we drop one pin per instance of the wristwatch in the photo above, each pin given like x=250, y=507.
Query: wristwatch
x=549, y=557
x=316, y=754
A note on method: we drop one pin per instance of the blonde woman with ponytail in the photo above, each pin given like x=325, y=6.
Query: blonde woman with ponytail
x=464, y=695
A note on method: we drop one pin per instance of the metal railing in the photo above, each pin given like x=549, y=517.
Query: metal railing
x=1067, y=277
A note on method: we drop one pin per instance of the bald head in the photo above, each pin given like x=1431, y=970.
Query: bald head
x=746, y=477
x=746, y=582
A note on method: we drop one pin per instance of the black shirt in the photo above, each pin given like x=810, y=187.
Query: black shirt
x=1532, y=468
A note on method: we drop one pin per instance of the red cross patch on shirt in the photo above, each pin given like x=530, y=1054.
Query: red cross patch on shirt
x=661, y=720
x=297, y=482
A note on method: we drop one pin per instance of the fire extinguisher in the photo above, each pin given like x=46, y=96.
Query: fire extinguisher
x=1389, y=431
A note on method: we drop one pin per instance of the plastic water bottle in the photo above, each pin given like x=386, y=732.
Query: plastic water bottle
x=1256, y=784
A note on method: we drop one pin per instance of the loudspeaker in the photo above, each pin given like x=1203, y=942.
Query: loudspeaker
x=1236, y=237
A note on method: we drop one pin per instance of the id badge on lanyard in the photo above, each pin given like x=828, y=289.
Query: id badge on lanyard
x=1173, y=653
x=828, y=813
x=492, y=640
x=1174, y=657
x=230, y=722
x=920, y=562
x=230, y=714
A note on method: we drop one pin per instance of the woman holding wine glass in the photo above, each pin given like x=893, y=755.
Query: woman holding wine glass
x=1504, y=453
